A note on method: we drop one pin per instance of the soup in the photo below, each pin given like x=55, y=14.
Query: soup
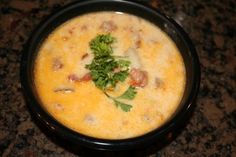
x=109, y=75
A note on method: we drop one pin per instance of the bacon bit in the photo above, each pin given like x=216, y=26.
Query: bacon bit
x=75, y=78
x=108, y=26
x=138, y=78
x=84, y=56
x=57, y=64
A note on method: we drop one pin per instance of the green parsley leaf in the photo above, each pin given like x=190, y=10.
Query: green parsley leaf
x=121, y=76
x=123, y=64
x=129, y=93
x=125, y=107
x=101, y=45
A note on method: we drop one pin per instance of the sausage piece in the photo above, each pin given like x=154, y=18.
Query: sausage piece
x=138, y=77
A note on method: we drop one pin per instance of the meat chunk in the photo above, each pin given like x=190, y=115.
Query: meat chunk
x=139, y=78
x=57, y=64
x=108, y=26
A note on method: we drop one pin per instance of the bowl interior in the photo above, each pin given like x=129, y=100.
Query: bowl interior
x=166, y=24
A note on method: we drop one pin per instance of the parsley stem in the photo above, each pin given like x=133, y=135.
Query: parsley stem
x=119, y=56
x=125, y=107
x=108, y=95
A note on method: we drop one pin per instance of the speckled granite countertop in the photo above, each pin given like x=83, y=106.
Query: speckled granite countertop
x=211, y=131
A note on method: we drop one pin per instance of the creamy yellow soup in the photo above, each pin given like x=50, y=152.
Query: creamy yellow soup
x=80, y=105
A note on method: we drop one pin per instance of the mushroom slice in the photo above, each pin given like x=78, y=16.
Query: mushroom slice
x=64, y=90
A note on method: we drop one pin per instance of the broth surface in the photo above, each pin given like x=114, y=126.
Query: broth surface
x=80, y=105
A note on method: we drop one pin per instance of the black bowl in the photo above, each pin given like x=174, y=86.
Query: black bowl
x=168, y=25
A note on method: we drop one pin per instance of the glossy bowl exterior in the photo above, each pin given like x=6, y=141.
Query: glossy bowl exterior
x=165, y=23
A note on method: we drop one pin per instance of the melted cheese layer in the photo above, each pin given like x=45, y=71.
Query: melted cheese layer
x=86, y=109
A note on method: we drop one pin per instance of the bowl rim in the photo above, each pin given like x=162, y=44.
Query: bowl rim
x=91, y=142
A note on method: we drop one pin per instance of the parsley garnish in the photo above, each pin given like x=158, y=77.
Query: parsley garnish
x=129, y=93
x=103, y=65
x=125, y=107
x=107, y=70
